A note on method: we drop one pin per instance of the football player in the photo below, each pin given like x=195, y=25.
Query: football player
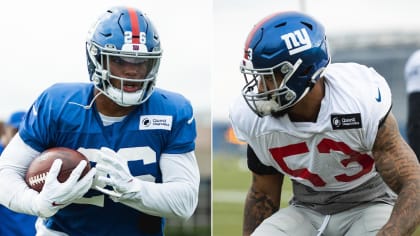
x=330, y=129
x=140, y=140
x=412, y=82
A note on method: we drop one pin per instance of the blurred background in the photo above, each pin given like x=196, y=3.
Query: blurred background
x=43, y=42
x=378, y=33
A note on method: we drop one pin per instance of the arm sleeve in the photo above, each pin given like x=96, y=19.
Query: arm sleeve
x=14, y=161
x=255, y=165
x=177, y=196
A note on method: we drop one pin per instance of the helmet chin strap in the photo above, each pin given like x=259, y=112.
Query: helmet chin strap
x=268, y=107
x=87, y=107
x=122, y=98
x=311, y=83
x=117, y=95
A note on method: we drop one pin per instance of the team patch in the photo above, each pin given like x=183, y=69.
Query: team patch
x=155, y=122
x=346, y=121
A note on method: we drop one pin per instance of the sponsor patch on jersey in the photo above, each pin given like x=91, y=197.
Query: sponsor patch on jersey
x=346, y=121
x=155, y=122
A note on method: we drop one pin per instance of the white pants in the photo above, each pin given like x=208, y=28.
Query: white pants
x=364, y=220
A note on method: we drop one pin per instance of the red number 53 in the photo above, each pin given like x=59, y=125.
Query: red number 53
x=325, y=146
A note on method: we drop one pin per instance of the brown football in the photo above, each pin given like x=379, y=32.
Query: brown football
x=39, y=167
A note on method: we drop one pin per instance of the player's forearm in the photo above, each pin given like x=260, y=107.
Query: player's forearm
x=177, y=196
x=406, y=213
x=165, y=200
x=399, y=168
x=15, y=194
x=258, y=207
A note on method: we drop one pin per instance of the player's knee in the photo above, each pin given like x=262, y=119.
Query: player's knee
x=372, y=220
x=286, y=221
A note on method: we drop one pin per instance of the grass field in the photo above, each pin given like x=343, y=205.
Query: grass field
x=230, y=184
x=231, y=180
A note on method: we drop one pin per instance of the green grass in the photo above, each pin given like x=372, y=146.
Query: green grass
x=192, y=231
x=231, y=180
x=227, y=219
x=228, y=176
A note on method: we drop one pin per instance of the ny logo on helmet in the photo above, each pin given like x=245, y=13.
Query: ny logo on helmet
x=297, y=41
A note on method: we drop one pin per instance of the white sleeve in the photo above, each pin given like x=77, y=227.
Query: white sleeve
x=14, y=161
x=177, y=196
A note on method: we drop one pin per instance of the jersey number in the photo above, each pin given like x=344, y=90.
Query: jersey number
x=144, y=158
x=325, y=146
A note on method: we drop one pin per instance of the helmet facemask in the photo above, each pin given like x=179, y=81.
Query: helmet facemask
x=276, y=101
x=269, y=101
x=104, y=79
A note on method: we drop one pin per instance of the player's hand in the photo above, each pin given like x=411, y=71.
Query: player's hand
x=118, y=176
x=55, y=195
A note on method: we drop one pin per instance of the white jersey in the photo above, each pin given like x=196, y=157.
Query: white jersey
x=412, y=73
x=334, y=153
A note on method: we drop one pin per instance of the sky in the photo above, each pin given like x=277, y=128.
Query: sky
x=43, y=42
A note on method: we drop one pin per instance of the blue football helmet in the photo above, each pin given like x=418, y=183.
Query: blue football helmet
x=291, y=45
x=124, y=34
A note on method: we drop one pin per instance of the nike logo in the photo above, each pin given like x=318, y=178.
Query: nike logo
x=54, y=204
x=379, y=98
x=34, y=111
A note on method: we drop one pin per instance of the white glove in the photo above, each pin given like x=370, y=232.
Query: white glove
x=55, y=195
x=119, y=177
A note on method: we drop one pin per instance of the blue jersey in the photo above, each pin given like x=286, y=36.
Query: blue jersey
x=163, y=124
x=16, y=224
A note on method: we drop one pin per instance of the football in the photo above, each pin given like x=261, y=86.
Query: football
x=39, y=167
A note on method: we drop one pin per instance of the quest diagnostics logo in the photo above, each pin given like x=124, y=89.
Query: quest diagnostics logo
x=297, y=41
x=346, y=121
x=155, y=122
